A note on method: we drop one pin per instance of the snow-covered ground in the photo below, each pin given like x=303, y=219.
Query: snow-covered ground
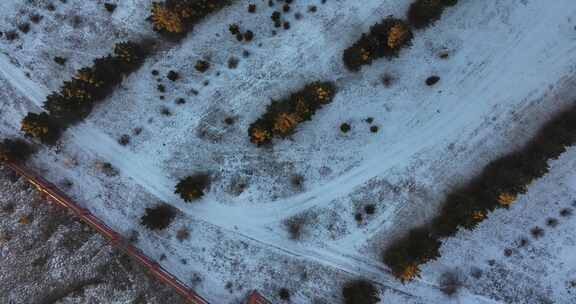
x=509, y=69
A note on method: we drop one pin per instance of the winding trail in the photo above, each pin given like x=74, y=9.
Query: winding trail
x=477, y=91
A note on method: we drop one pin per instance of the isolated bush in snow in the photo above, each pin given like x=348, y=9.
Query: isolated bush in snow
x=283, y=116
x=40, y=126
x=423, y=13
x=360, y=292
x=159, y=217
x=192, y=187
x=385, y=39
x=15, y=150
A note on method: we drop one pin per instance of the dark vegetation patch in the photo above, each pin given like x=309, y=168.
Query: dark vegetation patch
x=60, y=60
x=370, y=209
x=110, y=7
x=388, y=80
x=233, y=62
x=295, y=226
x=358, y=217
x=566, y=212
x=107, y=169
x=360, y=292
x=192, y=187
x=124, y=140
x=537, y=232
x=77, y=97
x=159, y=217
x=297, y=181
x=202, y=66
x=175, y=18
x=432, y=80
x=423, y=13
x=284, y=294
x=384, y=39
x=552, y=222
x=283, y=116
x=11, y=35
x=173, y=76
x=498, y=186
x=15, y=150
x=182, y=234
x=345, y=127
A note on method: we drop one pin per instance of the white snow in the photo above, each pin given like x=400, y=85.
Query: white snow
x=508, y=59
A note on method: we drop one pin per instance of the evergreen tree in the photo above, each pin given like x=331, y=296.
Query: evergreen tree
x=192, y=187
x=41, y=126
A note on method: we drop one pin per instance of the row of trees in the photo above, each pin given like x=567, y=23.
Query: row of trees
x=385, y=39
x=497, y=186
x=175, y=18
x=282, y=116
x=388, y=37
x=78, y=96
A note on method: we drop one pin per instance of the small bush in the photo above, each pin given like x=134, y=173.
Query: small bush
x=370, y=209
x=345, y=128
x=110, y=7
x=182, y=234
x=385, y=39
x=15, y=150
x=60, y=60
x=159, y=217
x=192, y=187
x=282, y=117
x=295, y=226
x=360, y=292
x=202, y=66
x=284, y=294
x=432, y=80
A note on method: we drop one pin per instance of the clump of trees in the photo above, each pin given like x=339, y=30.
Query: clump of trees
x=76, y=98
x=14, y=150
x=384, y=39
x=498, y=186
x=423, y=13
x=192, y=187
x=360, y=292
x=283, y=116
x=175, y=18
